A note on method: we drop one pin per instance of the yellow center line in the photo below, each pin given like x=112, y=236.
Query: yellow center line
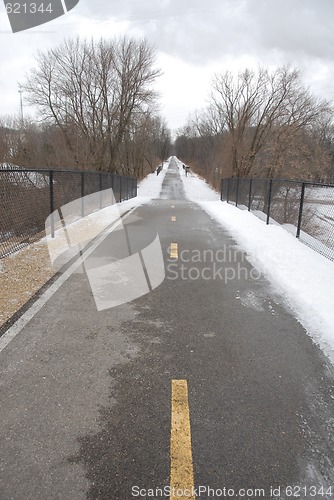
x=181, y=462
x=173, y=218
x=173, y=254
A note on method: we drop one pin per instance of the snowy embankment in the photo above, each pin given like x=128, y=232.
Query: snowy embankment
x=303, y=277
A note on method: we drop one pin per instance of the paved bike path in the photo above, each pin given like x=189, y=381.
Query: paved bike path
x=86, y=395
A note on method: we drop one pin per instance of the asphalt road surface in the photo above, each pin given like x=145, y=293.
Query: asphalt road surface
x=86, y=395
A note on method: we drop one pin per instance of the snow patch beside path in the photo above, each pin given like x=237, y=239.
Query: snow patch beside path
x=150, y=187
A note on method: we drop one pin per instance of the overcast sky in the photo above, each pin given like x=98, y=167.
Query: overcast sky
x=194, y=39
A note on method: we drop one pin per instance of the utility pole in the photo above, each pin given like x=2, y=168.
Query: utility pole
x=21, y=104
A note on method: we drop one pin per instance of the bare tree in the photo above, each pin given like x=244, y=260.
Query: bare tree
x=92, y=91
x=262, y=108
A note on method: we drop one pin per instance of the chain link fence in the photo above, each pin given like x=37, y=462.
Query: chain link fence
x=305, y=209
x=28, y=197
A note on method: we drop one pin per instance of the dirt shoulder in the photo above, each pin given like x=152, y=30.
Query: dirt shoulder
x=21, y=276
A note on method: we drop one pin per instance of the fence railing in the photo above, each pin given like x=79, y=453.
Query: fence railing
x=306, y=209
x=28, y=197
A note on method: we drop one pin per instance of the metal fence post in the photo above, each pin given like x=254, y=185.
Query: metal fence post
x=52, y=221
x=120, y=188
x=112, y=184
x=101, y=188
x=301, y=206
x=82, y=194
x=250, y=194
x=269, y=200
x=228, y=190
x=221, y=189
x=237, y=192
x=127, y=187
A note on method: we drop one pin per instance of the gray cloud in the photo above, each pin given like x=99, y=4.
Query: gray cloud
x=298, y=27
x=200, y=32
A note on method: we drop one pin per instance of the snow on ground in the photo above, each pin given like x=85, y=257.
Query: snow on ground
x=150, y=187
x=302, y=276
x=194, y=189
